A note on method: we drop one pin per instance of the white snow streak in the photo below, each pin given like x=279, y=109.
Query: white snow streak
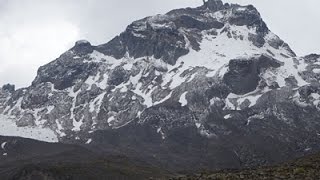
x=183, y=101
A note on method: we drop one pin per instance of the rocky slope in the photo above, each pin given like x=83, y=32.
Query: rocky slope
x=210, y=86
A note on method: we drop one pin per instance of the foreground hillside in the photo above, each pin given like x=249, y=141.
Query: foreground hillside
x=304, y=168
x=119, y=167
x=26, y=159
x=115, y=167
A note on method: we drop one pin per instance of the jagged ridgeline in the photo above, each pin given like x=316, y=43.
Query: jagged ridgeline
x=210, y=86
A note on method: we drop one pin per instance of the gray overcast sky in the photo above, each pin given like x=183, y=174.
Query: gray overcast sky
x=35, y=32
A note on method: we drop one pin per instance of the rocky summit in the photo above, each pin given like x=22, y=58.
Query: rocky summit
x=204, y=87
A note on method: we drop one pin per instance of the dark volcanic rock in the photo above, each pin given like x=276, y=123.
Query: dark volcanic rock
x=189, y=22
x=64, y=72
x=243, y=75
x=82, y=47
x=214, y=5
x=118, y=76
x=167, y=44
x=9, y=88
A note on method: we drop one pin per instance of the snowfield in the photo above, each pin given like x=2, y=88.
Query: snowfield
x=9, y=128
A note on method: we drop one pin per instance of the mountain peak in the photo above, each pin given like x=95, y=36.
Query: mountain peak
x=213, y=5
x=82, y=43
x=82, y=47
x=8, y=87
x=215, y=71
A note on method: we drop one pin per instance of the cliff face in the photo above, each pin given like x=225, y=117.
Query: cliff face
x=211, y=80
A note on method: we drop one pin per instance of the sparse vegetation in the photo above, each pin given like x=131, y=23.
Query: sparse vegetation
x=303, y=168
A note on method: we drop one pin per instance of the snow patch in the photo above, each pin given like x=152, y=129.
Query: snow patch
x=139, y=114
x=127, y=66
x=77, y=124
x=233, y=101
x=228, y=116
x=89, y=141
x=317, y=71
x=214, y=100
x=147, y=97
x=49, y=109
x=59, y=129
x=110, y=119
x=159, y=130
x=183, y=101
x=73, y=95
x=241, y=8
x=8, y=127
x=96, y=103
x=214, y=54
x=138, y=35
x=16, y=106
x=164, y=99
x=315, y=96
x=198, y=125
x=192, y=77
x=98, y=57
x=3, y=145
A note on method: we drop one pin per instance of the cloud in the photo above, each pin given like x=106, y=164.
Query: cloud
x=25, y=48
x=30, y=37
x=35, y=32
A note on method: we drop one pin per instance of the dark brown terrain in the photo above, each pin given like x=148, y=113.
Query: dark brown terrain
x=303, y=168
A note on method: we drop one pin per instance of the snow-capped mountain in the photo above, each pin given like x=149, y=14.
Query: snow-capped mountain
x=215, y=72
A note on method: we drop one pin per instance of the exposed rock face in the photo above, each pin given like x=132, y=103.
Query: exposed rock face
x=8, y=88
x=213, y=77
x=64, y=72
x=213, y=5
x=243, y=75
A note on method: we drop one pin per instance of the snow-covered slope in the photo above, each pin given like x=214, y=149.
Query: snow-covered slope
x=217, y=69
x=8, y=127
